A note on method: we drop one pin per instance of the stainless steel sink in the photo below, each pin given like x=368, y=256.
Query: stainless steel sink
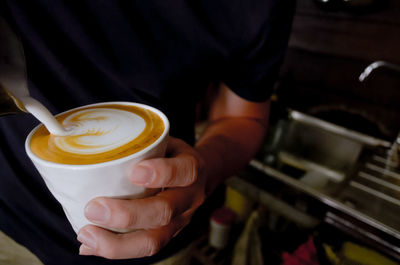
x=317, y=148
x=346, y=170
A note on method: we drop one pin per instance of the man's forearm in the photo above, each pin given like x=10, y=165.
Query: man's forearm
x=228, y=145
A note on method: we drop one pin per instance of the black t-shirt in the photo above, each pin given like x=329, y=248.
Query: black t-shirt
x=161, y=53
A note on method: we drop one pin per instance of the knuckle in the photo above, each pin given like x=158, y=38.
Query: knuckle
x=151, y=246
x=193, y=165
x=109, y=254
x=125, y=219
x=190, y=170
x=164, y=212
x=170, y=177
x=164, y=173
x=109, y=251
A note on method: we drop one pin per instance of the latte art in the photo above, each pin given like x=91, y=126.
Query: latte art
x=99, y=130
x=99, y=134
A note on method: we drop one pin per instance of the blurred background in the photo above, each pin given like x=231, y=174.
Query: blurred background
x=325, y=186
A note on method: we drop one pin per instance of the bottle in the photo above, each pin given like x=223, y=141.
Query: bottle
x=221, y=222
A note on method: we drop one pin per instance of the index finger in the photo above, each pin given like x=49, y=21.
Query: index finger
x=143, y=213
x=180, y=170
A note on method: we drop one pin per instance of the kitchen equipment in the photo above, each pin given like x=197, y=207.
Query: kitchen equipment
x=393, y=153
x=14, y=93
x=348, y=5
x=13, y=84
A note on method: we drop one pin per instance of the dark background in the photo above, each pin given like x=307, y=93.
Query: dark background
x=329, y=47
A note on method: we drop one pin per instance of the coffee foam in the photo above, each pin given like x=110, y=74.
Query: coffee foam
x=99, y=130
x=98, y=134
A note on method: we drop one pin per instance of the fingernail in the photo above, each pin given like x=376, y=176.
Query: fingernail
x=142, y=175
x=88, y=240
x=85, y=250
x=97, y=212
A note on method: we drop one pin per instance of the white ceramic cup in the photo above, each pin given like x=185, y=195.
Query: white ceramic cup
x=75, y=185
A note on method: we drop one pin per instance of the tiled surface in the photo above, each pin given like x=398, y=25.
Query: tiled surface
x=12, y=253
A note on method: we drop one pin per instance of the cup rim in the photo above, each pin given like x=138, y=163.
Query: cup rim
x=37, y=159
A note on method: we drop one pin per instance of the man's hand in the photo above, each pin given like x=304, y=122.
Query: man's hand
x=157, y=218
x=235, y=132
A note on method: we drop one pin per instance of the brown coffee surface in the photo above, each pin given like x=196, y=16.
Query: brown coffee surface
x=42, y=142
